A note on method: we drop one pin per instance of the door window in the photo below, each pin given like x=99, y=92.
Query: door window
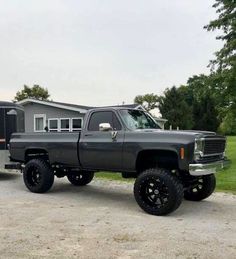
x=103, y=117
x=115, y=122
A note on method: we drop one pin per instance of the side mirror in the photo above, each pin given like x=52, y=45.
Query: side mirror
x=105, y=127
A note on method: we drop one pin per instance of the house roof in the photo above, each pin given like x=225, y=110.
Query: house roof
x=60, y=105
x=72, y=107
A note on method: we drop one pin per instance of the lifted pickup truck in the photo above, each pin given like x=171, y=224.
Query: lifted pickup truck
x=167, y=165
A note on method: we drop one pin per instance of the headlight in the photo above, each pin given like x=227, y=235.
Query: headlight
x=198, y=148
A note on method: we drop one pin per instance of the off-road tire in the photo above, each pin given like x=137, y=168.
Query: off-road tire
x=38, y=176
x=203, y=188
x=158, y=192
x=80, y=178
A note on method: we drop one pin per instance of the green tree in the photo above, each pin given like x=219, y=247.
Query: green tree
x=175, y=109
x=201, y=96
x=205, y=115
x=228, y=125
x=36, y=92
x=148, y=101
x=224, y=64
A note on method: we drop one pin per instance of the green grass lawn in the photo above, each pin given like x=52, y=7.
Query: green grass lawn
x=226, y=179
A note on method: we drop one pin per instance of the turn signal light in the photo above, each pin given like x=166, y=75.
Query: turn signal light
x=182, y=153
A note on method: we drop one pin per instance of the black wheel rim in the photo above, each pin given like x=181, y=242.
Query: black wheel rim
x=77, y=177
x=197, y=186
x=154, y=193
x=33, y=176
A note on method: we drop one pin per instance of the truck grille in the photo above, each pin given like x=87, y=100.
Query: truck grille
x=214, y=146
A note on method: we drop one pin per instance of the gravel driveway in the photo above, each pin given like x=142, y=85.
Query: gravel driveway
x=102, y=220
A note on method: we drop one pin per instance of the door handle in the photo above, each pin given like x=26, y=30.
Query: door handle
x=114, y=135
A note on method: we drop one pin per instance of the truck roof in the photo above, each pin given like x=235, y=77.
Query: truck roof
x=121, y=107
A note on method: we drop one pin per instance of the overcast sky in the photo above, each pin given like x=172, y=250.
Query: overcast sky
x=103, y=52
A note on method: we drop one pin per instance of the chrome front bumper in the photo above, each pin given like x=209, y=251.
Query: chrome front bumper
x=211, y=168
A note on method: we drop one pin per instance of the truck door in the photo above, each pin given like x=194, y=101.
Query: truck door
x=102, y=149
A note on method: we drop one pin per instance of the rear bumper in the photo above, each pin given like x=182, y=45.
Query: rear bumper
x=211, y=168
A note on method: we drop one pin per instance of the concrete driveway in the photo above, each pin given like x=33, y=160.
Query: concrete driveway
x=102, y=220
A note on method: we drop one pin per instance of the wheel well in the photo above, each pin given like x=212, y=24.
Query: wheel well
x=156, y=158
x=36, y=153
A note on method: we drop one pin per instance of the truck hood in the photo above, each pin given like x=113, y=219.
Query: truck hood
x=193, y=133
x=169, y=137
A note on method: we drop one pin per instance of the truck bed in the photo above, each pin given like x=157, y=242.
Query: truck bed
x=61, y=147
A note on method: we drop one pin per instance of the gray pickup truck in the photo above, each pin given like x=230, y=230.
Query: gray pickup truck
x=168, y=165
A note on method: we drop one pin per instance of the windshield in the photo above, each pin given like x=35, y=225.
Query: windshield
x=137, y=119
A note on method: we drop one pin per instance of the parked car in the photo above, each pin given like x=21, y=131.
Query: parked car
x=167, y=165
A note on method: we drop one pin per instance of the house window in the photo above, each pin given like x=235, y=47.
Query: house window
x=39, y=122
x=65, y=124
x=53, y=125
x=76, y=124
